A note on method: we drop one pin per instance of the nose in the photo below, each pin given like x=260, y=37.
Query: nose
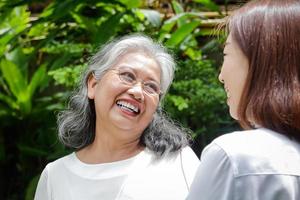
x=137, y=91
x=220, y=77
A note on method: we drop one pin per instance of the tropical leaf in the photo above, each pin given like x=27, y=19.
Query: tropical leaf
x=152, y=16
x=11, y=24
x=37, y=78
x=9, y=101
x=178, y=10
x=86, y=23
x=30, y=190
x=13, y=77
x=209, y=4
x=108, y=29
x=181, y=33
x=18, y=57
x=59, y=9
x=168, y=24
x=132, y=3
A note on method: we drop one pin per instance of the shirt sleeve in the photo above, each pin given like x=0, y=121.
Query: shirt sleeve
x=215, y=176
x=42, y=191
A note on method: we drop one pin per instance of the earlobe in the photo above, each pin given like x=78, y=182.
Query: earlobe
x=92, y=83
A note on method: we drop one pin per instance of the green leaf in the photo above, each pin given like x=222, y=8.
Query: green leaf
x=179, y=102
x=36, y=80
x=152, y=16
x=13, y=77
x=67, y=76
x=59, y=9
x=181, y=33
x=85, y=23
x=11, y=24
x=9, y=101
x=169, y=24
x=30, y=190
x=107, y=29
x=40, y=30
x=61, y=61
x=18, y=57
x=132, y=3
x=178, y=10
x=209, y=4
x=193, y=54
x=177, y=7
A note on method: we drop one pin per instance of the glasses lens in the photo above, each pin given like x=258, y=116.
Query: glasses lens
x=151, y=88
x=129, y=78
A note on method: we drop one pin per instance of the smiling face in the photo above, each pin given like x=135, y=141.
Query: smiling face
x=122, y=107
x=233, y=74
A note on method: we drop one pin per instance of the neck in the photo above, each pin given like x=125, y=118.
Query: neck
x=107, y=148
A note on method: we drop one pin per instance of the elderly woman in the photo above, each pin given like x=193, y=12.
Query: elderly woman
x=261, y=76
x=125, y=147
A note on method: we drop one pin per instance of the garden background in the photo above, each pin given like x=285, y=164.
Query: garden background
x=44, y=44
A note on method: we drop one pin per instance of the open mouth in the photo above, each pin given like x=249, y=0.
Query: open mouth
x=128, y=107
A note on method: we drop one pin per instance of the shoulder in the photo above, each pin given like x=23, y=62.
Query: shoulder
x=170, y=165
x=154, y=176
x=256, y=141
x=185, y=155
x=239, y=138
x=58, y=165
x=188, y=153
x=259, y=151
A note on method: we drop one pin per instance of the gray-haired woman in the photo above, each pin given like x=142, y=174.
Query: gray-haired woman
x=125, y=148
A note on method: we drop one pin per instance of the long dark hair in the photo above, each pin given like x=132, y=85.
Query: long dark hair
x=268, y=33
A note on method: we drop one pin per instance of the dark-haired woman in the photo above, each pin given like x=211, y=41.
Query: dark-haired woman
x=261, y=76
x=124, y=147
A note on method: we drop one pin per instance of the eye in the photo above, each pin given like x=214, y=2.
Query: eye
x=127, y=76
x=151, y=88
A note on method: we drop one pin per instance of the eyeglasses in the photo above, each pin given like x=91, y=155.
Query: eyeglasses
x=128, y=77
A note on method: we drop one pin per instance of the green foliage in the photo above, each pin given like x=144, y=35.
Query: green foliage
x=198, y=97
x=43, y=53
x=208, y=4
x=19, y=101
x=67, y=76
x=12, y=23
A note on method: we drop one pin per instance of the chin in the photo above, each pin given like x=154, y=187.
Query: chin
x=233, y=114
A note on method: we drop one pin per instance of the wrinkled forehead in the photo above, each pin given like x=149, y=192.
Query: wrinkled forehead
x=139, y=61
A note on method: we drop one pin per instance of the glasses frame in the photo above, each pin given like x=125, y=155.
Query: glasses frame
x=136, y=81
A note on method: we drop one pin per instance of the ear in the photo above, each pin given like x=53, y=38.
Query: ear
x=92, y=85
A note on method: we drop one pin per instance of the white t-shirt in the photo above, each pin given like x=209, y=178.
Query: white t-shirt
x=249, y=165
x=140, y=177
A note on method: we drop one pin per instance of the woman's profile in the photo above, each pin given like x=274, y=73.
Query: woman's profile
x=261, y=76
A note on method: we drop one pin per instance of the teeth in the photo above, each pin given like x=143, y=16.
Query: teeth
x=128, y=105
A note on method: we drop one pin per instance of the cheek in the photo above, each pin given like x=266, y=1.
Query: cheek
x=150, y=110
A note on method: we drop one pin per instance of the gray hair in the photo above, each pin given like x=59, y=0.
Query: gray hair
x=76, y=124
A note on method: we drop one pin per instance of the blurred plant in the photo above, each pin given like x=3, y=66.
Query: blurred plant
x=41, y=57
